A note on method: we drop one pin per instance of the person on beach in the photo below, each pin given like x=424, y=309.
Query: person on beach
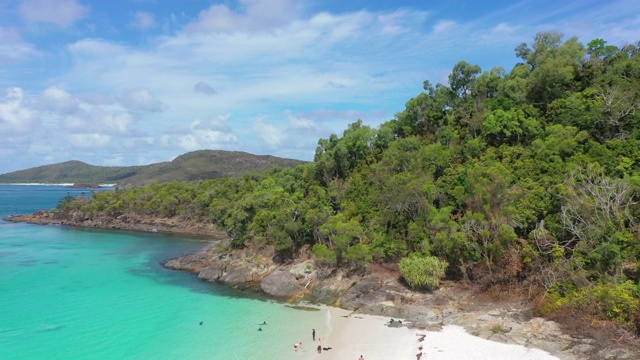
x=297, y=346
x=361, y=358
x=313, y=334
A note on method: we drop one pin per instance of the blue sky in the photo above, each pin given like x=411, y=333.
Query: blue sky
x=136, y=82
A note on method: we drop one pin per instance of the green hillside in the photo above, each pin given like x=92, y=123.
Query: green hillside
x=527, y=180
x=197, y=165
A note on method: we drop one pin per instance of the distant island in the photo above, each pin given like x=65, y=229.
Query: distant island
x=192, y=166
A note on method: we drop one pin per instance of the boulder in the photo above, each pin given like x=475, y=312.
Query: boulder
x=212, y=272
x=363, y=294
x=193, y=262
x=281, y=283
x=329, y=290
x=238, y=274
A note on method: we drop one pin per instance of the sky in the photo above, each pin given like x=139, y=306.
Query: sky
x=135, y=82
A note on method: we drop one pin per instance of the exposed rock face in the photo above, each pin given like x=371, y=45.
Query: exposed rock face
x=329, y=290
x=194, y=263
x=281, y=283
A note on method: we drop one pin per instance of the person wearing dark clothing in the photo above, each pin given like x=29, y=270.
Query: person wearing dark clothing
x=313, y=334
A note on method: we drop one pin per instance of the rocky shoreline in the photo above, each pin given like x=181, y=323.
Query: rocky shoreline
x=377, y=290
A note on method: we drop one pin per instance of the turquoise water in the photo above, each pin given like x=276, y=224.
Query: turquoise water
x=68, y=293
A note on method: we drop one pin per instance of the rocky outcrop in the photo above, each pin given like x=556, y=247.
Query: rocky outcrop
x=133, y=222
x=282, y=283
x=382, y=293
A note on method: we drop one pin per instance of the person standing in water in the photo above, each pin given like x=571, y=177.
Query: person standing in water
x=313, y=334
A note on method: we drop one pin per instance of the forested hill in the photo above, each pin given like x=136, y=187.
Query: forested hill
x=196, y=165
x=527, y=178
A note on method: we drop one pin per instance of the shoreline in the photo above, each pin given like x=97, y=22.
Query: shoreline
x=352, y=335
x=452, y=306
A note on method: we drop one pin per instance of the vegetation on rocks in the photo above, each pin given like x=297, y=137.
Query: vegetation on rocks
x=523, y=178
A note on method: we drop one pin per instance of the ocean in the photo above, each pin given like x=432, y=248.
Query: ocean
x=70, y=293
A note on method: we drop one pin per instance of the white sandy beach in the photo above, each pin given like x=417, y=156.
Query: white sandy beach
x=353, y=335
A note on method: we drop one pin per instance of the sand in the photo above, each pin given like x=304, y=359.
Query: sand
x=352, y=335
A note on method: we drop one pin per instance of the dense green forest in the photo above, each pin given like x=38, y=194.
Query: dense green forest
x=525, y=178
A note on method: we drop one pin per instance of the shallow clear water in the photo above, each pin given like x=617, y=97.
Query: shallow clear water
x=68, y=293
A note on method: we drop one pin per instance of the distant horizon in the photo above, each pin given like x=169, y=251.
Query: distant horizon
x=124, y=83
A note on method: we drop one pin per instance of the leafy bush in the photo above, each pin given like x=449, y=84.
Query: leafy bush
x=616, y=302
x=422, y=272
x=324, y=254
x=358, y=254
x=65, y=202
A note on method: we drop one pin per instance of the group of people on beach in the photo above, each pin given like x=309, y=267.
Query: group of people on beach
x=298, y=345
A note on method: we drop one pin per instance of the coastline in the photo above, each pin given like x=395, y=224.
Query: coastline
x=374, y=297
x=351, y=335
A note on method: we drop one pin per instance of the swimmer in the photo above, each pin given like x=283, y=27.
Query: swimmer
x=201, y=323
x=297, y=346
x=264, y=323
x=259, y=329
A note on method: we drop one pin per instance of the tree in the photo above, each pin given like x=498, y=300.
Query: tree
x=341, y=233
x=597, y=213
x=462, y=78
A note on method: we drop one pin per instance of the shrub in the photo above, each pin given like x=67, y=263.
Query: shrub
x=65, y=202
x=358, y=254
x=422, y=272
x=614, y=302
x=324, y=255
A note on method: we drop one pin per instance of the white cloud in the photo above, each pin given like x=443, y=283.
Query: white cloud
x=203, y=134
x=143, y=20
x=140, y=100
x=75, y=123
x=15, y=116
x=13, y=47
x=272, y=135
x=91, y=140
x=252, y=15
x=444, y=26
x=57, y=99
x=395, y=23
x=301, y=122
x=206, y=139
x=62, y=13
x=114, y=123
x=220, y=123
